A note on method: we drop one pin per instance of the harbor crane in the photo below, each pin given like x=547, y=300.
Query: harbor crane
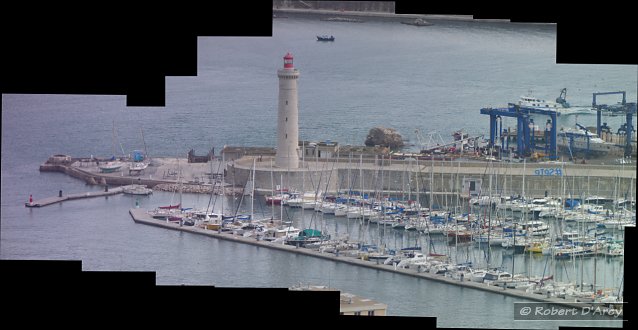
x=628, y=108
x=524, y=131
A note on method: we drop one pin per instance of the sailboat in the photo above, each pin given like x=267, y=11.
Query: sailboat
x=170, y=207
x=139, y=160
x=112, y=165
x=309, y=235
x=178, y=205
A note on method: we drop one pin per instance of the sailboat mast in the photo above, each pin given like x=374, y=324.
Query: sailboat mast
x=144, y=142
x=405, y=166
x=113, y=138
x=252, y=194
x=223, y=185
x=514, y=247
x=272, y=191
x=349, y=195
x=524, y=169
x=303, y=190
x=379, y=242
x=431, y=183
x=361, y=222
x=179, y=178
x=417, y=203
x=489, y=217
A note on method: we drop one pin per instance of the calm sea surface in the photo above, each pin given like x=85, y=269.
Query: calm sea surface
x=377, y=73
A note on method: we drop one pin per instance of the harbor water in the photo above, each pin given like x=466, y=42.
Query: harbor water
x=378, y=73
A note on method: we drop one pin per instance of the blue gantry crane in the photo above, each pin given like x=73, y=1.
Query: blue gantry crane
x=525, y=143
x=629, y=109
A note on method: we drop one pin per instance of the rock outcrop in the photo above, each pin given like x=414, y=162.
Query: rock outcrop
x=385, y=137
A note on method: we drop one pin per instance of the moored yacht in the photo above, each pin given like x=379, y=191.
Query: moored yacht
x=561, y=105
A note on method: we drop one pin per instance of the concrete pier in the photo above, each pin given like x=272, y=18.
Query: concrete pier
x=61, y=197
x=160, y=171
x=442, y=178
x=141, y=216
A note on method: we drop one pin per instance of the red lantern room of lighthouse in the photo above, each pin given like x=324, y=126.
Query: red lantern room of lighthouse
x=288, y=61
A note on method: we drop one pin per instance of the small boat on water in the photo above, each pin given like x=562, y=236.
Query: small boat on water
x=418, y=22
x=279, y=198
x=325, y=38
x=342, y=19
x=137, y=189
x=170, y=207
x=307, y=236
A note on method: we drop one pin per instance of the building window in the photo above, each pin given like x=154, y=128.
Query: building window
x=357, y=313
x=286, y=135
x=286, y=102
x=370, y=313
x=286, y=119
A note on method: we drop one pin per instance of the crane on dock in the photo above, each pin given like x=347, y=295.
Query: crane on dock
x=628, y=108
x=562, y=98
x=525, y=144
x=431, y=143
x=434, y=145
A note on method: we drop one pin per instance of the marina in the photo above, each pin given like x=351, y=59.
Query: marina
x=480, y=219
x=373, y=193
x=142, y=216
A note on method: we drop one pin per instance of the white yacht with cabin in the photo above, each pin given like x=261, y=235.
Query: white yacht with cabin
x=560, y=105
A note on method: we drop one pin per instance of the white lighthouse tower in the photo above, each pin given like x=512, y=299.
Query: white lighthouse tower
x=287, y=117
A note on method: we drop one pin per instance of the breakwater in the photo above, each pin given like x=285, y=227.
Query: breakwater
x=444, y=178
x=449, y=178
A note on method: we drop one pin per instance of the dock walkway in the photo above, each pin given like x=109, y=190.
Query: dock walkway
x=141, y=216
x=58, y=199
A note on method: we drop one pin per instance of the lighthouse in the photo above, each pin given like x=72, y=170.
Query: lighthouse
x=287, y=116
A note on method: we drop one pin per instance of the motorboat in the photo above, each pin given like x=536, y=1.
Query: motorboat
x=136, y=189
x=325, y=38
x=560, y=105
x=417, y=22
x=580, y=138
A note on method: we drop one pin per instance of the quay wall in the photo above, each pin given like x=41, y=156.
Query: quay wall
x=446, y=178
x=98, y=179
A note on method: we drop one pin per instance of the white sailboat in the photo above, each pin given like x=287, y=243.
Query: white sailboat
x=139, y=161
x=112, y=165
